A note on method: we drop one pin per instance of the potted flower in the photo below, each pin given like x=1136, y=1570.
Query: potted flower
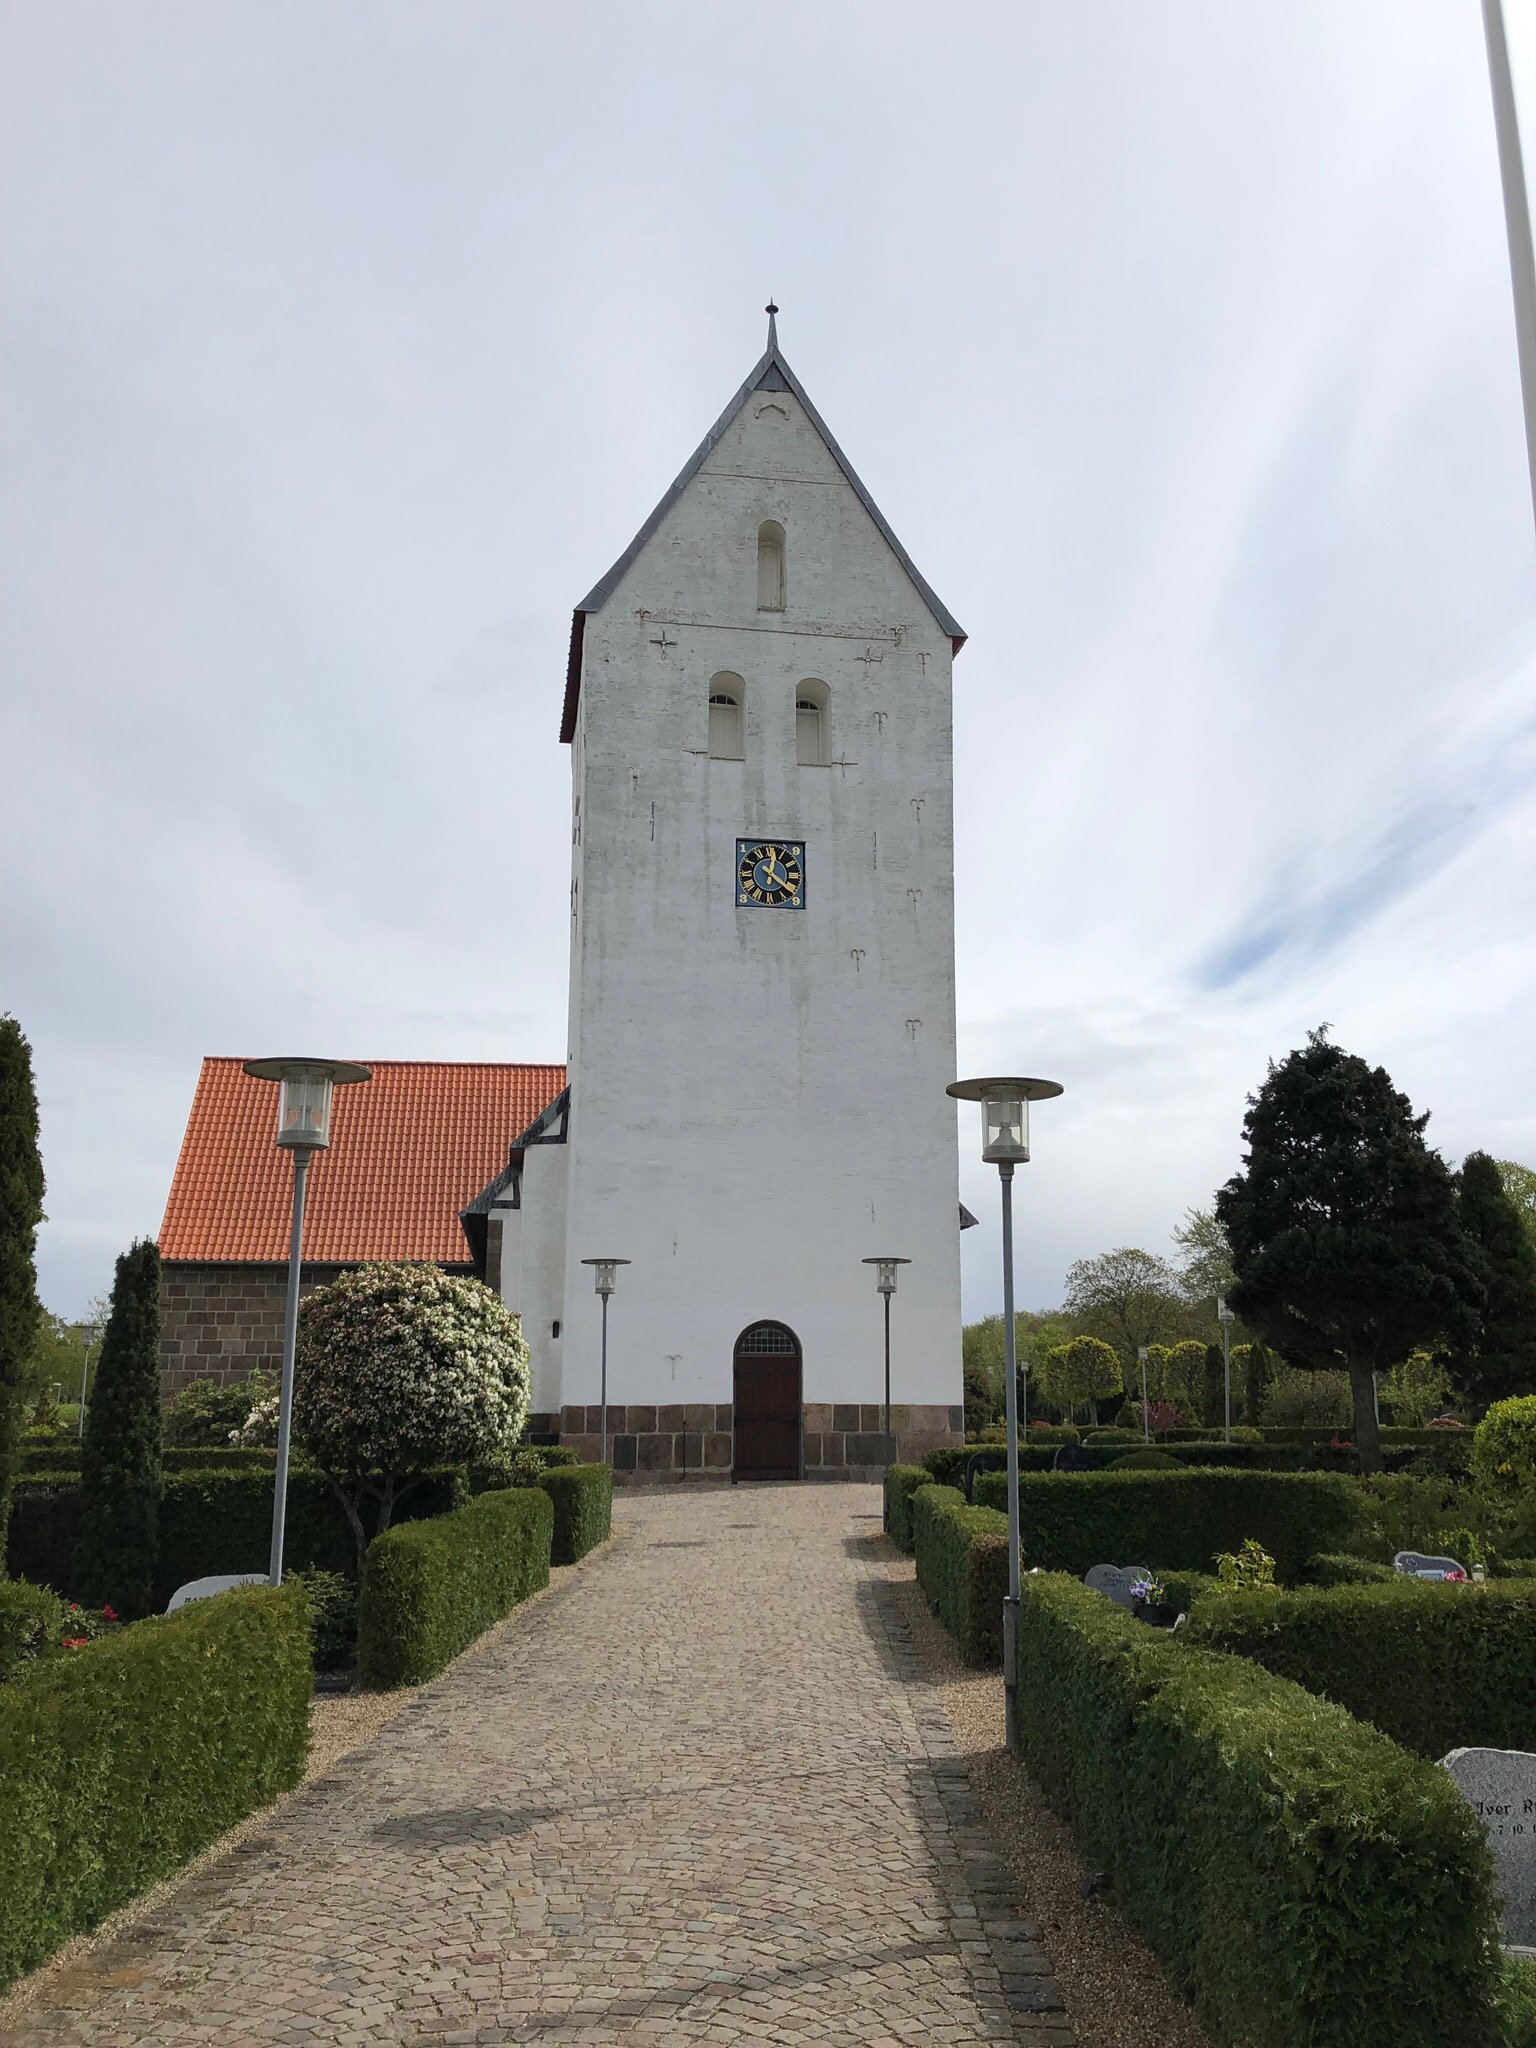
x=1149, y=1603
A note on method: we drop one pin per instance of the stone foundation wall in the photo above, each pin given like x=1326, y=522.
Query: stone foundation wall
x=840, y=1440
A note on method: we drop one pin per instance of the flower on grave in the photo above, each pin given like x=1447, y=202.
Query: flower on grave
x=1149, y=1589
x=76, y=1642
x=110, y=1613
x=1459, y=1576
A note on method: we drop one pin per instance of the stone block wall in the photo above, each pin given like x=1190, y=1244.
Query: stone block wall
x=218, y=1322
x=670, y=1442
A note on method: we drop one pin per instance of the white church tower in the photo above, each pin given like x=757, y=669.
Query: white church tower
x=762, y=1012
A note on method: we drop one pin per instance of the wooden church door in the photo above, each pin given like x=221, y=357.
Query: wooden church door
x=767, y=1397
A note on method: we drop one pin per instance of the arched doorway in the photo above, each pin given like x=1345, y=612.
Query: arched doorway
x=767, y=1397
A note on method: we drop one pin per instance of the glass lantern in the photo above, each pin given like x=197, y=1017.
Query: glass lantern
x=304, y=1112
x=1006, y=1127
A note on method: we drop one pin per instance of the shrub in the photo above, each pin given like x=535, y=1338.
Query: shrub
x=205, y=1413
x=121, y=1762
x=31, y=1625
x=1436, y=1667
x=901, y=1482
x=120, y=1465
x=331, y=1598
x=1339, y=1569
x=1504, y=1445
x=400, y=1368
x=1301, y=1877
x=1321, y=1399
x=962, y=1567
x=430, y=1588
x=1252, y=1565
x=1172, y=1521
x=1145, y=1460
x=583, y=1503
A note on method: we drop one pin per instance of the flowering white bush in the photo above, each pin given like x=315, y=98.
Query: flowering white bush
x=259, y=1429
x=400, y=1368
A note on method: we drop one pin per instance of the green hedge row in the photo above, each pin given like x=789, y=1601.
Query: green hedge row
x=1301, y=1876
x=121, y=1761
x=1436, y=1667
x=63, y=1455
x=947, y=1465
x=1176, y=1521
x=962, y=1567
x=583, y=1504
x=901, y=1482
x=31, y=1624
x=430, y=1588
x=1344, y=1570
x=210, y=1521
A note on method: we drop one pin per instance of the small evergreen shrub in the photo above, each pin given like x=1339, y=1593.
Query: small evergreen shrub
x=1504, y=1445
x=31, y=1625
x=1436, y=1667
x=901, y=1482
x=1145, y=1460
x=583, y=1503
x=120, y=1762
x=331, y=1598
x=1300, y=1877
x=115, y=1551
x=431, y=1588
x=962, y=1567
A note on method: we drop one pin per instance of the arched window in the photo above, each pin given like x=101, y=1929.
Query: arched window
x=811, y=723
x=770, y=566
x=725, y=724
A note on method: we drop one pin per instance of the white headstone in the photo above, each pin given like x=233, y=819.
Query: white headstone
x=1501, y=1785
x=204, y=1589
x=1116, y=1581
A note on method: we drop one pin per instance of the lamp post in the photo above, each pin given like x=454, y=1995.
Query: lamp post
x=303, y=1128
x=85, y=1377
x=606, y=1278
x=1146, y=1426
x=1005, y=1104
x=1225, y=1317
x=885, y=1282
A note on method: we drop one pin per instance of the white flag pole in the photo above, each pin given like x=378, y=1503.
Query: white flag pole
x=1517, y=216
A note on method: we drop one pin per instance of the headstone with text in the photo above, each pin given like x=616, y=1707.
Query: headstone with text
x=1116, y=1581
x=1417, y=1566
x=1501, y=1786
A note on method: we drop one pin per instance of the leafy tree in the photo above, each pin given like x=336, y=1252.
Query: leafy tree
x=1183, y=1375
x=1308, y=1400
x=1415, y=1390
x=1205, y=1258
x=1127, y=1297
x=21, y=1210
x=1520, y=1186
x=57, y=1351
x=400, y=1368
x=1035, y=1333
x=1501, y=1359
x=1085, y=1369
x=1343, y=1226
x=118, y=1546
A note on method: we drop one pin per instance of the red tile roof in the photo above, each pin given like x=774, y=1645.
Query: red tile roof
x=408, y=1150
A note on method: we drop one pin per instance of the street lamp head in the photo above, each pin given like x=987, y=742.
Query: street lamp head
x=304, y=1101
x=606, y=1275
x=1223, y=1313
x=885, y=1279
x=1005, y=1100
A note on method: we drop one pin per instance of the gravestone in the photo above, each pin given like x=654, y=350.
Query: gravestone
x=1115, y=1581
x=1501, y=1786
x=1073, y=1458
x=204, y=1589
x=1417, y=1566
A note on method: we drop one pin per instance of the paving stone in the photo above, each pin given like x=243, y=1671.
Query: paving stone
x=699, y=1794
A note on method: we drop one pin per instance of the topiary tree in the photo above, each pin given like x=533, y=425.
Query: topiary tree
x=400, y=1368
x=1184, y=1375
x=21, y=1210
x=1213, y=1404
x=1084, y=1369
x=1345, y=1237
x=1501, y=1358
x=1504, y=1446
x=1252, y=1369
x=118, y=1545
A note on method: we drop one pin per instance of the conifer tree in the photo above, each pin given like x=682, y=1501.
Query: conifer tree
x=1256, y=1365
x=21, y=1210
x=120, y=1464
x=1344, y=1230
x=1502, y=1359
x=1214, y=1405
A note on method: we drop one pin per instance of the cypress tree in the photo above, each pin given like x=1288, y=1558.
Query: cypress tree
x=1214, y=1391
x=1345, y=1236
x=21, y=1210
x=1258, y=1371
x=120, y=1463
x=1502, y=1359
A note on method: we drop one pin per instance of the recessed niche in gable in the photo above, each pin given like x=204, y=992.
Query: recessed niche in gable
x=778, y=412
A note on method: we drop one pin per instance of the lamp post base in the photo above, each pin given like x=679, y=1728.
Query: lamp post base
x=1011, y=1673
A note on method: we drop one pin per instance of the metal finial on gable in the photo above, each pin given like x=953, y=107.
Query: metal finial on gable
x=773, y=333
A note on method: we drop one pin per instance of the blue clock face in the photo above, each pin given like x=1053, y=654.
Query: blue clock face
x=770, y=873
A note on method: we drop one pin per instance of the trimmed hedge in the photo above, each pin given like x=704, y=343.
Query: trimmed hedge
x=430, y=1588
x=1301, y=1877
x=63, y=1455
x=31, y=1624
x=1343, y=1570
x=901, y=1482
x=1176, y=1521
x=1436, y=1667
x=120, y=1762
x=583, y=1503
x=962, y=1567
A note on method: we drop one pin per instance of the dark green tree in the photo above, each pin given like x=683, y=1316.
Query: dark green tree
x=1344, y=1230
x=120, y=1466
x=1256, y=1365
x=1214, y=1388
x=21, y=1210
x=1501, y=1360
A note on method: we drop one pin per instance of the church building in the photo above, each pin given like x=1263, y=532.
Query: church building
x=762, y=1006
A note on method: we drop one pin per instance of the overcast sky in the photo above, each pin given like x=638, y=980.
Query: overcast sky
x=344, y=346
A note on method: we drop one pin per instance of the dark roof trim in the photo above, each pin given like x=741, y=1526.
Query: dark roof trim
x=967, y=1220
x=771, y=373
x=549, y=1127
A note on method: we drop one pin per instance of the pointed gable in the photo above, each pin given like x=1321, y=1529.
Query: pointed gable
x=770, y=373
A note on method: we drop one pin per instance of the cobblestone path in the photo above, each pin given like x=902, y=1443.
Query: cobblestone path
x=698, y=1794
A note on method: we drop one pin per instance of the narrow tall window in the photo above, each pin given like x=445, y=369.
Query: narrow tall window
x=811, y=724
x=725, y=726
x=770, y=566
